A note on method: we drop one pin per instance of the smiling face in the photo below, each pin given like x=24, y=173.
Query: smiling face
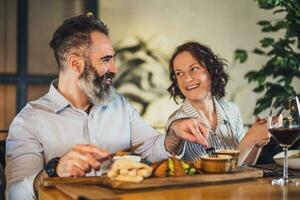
x=99, y=69
x=192, y=78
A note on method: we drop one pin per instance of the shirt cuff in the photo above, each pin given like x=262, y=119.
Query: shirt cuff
x=182, y=152
x=179, y=155
x=22, y=189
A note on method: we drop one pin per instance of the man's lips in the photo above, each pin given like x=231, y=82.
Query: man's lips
x=191, y=87
x=108, y=81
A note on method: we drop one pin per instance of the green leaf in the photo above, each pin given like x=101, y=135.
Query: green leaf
x=240, y=55
x=261, y=78
x=251, y=75
x=266, y=4
x=259, y=89
x=267, y=28
x=259, y=51
x=264, y=23
x=266, y=42
x=280, y=25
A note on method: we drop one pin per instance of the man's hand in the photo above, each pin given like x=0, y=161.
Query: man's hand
x=80, y=160
x=190, y=129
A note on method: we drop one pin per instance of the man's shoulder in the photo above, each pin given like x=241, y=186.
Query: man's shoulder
x=117, y=98
x=41, y=104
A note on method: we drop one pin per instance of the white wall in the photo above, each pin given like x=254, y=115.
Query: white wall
x=224, y=25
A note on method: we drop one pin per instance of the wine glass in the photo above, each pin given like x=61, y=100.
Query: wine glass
x=284, y=125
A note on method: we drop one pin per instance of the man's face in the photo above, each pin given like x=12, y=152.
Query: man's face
x=99, y=69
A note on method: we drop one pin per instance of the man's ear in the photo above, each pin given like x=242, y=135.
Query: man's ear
x=76, y=63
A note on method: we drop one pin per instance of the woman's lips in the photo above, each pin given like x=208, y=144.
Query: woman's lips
x=191, y=87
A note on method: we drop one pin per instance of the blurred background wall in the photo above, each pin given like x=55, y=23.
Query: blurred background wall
x=153, y=27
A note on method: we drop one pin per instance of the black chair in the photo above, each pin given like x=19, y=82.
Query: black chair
x=271, y=149
x=2, y=163
x=2, y=183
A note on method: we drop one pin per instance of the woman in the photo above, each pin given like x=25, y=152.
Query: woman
x=199, y=79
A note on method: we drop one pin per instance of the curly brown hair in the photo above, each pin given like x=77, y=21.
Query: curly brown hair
x=208, y=59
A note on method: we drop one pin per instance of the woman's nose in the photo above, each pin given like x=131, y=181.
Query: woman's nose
x=188, y=78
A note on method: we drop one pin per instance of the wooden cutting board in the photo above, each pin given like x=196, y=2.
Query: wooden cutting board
x=239, y=174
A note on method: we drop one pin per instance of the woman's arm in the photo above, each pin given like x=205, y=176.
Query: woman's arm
x=250, y=146
x=253, y=155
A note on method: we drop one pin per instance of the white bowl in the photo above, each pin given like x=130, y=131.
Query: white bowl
x=128, y=157
x=293, y=159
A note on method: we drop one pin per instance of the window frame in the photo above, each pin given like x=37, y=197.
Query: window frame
x=21, y=79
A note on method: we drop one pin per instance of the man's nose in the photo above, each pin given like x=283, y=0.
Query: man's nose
x=113, y=67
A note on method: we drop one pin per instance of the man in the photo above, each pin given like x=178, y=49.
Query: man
x=68, y=131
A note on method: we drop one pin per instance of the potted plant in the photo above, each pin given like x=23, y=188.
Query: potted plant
x=274, y=79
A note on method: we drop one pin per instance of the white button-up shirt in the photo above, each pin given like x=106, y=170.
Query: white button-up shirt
x=51, y=126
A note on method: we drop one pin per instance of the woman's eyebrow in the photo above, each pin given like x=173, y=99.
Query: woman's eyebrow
x=193, y=65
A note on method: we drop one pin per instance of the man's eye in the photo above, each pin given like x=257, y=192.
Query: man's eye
x=106, y=60
x=178, y=73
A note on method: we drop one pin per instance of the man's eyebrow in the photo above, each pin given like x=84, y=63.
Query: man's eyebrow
x=107, y=57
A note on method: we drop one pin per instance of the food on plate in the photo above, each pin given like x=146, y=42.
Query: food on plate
x=161, y=169
x=197, y=164
x=173, y=167
x=129, y=171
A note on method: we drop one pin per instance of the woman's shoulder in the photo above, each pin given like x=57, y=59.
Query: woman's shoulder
x=228, y=106
x=177, y=113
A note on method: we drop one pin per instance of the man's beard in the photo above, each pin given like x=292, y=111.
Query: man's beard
x=97, y=88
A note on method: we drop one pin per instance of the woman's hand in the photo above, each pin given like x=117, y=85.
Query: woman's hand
x=190, y=129
x=80, y=160
x=258, y=135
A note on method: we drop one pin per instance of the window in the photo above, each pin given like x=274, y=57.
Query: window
x=27, y=64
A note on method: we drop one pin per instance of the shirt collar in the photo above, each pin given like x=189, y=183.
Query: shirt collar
x=59, y=101
x=221, y=115
x=188, y=109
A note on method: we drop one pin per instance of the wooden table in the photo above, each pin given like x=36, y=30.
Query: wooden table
x=254, y=189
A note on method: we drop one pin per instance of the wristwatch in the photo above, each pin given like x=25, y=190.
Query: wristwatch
x=50, y=167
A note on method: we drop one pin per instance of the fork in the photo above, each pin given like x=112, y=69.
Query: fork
x=211, y=152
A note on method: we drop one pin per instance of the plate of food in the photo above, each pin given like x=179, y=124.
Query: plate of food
x=293, y=159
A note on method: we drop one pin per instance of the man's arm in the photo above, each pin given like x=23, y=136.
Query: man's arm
x=24, y=156
x=39, y=180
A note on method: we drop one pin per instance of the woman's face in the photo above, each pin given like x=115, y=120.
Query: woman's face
x=192, y=78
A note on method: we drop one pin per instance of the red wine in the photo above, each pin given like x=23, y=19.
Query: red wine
x=285, y=136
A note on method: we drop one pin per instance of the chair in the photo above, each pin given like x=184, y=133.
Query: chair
x=2, y=183
x=271, y=149
x=3, y=135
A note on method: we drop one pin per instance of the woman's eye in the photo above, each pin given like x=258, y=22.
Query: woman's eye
x=178, y=73
x=195, y=68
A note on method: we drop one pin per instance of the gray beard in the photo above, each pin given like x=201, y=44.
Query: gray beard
x=94, y=87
